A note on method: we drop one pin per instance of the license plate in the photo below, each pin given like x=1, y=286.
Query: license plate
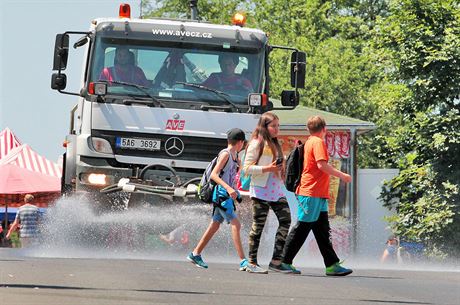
x=133, y=143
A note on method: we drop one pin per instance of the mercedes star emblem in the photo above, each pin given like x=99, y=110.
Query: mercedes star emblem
x=174, y=146
x=176, y=116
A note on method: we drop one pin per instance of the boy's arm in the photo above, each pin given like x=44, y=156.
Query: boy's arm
x=221, y=162
x=330, y=170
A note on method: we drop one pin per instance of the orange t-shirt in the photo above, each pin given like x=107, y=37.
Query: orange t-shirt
x=314, y=182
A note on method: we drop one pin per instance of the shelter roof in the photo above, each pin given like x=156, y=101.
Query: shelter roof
x=297, y=119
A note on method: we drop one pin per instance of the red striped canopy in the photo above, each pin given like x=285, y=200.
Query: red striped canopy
x=17, y=180
x=8, y=141
x=23, y=156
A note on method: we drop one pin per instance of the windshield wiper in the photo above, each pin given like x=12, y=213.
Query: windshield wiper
x=221, y=94
x=142, y=89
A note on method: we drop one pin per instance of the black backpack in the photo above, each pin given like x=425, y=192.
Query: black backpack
x=294, y=168
x=207, y=185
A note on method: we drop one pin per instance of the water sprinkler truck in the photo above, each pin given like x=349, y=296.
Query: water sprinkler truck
x=157, y=137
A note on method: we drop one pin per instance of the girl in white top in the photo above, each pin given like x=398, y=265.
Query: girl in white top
x=266, y=190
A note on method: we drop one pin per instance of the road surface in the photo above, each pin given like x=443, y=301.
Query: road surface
x=32, y=280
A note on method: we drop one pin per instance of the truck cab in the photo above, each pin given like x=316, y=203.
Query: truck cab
x=158, y=96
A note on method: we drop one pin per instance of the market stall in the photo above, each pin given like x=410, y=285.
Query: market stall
x=23, y=171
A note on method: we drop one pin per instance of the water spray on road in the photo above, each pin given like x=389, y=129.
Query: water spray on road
x=72, y=228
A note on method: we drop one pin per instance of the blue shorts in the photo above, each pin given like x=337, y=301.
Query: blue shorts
x=310, y=207
x=220, y=215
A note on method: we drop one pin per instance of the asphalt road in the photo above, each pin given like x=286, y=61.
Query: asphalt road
x=28, y=280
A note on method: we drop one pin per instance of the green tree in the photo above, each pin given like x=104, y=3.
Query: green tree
x=216, y=11
x=422, y=37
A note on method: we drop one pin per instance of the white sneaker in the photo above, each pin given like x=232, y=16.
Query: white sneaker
x=255, y=269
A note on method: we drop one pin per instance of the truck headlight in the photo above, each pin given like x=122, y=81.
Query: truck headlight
x=94, y=179
x=101, y=145
x=97, y=179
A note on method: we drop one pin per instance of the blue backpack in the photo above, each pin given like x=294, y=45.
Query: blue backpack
x=245, y=180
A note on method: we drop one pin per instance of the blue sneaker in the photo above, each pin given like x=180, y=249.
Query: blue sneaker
x=337, y=270
x=283, y=268
x=197, y=260
x=294, y=270
x=243, y=264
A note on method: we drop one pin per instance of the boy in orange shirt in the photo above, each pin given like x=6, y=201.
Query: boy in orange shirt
x=312, y=194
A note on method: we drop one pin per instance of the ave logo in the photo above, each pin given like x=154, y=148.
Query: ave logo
x=175, y=125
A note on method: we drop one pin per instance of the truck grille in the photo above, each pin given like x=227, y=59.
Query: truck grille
x=195, y=148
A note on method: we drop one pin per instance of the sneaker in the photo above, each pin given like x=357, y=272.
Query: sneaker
x=197, y=260
x=283, y=268
x=255, y=269
x=294, y=270
x=337, y=270
x=243, y=264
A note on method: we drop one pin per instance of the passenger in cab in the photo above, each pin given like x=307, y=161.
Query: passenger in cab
x=124, y=69
x=227, y=80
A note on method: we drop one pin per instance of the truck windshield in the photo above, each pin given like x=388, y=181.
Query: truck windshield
x=169, y=71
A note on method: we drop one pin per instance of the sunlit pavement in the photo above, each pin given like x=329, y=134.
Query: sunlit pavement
x=29, y=280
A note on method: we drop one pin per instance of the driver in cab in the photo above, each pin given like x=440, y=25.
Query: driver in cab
x=228, y=80
x=124, y=69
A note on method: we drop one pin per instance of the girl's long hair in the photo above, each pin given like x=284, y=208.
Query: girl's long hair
x=262, y=135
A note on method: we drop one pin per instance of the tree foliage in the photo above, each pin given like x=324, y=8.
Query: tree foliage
x=422, y=38
x=216, y=11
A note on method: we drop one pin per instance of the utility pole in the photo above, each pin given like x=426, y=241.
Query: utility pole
x=140, y=9
x=194, y=9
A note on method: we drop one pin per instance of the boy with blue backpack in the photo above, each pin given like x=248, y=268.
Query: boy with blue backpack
x=224, y=195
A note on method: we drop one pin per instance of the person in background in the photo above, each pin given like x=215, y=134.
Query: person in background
x=225, y=193
x=313, y=194
x=292, y=143
x=124, y=69
x=27, y=218
x=391, y=254
x=264, y=163
x=179, y=237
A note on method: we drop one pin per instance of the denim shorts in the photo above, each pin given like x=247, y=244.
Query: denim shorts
x=220, y=215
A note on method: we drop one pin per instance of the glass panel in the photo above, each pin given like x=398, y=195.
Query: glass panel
x=169, y=72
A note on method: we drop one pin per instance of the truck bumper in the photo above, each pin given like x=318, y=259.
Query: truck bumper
x=158, y=181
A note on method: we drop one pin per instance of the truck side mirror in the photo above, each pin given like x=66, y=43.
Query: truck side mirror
x=61, y=52
x=289, y=98
x=58, y=81
x=298, y=65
